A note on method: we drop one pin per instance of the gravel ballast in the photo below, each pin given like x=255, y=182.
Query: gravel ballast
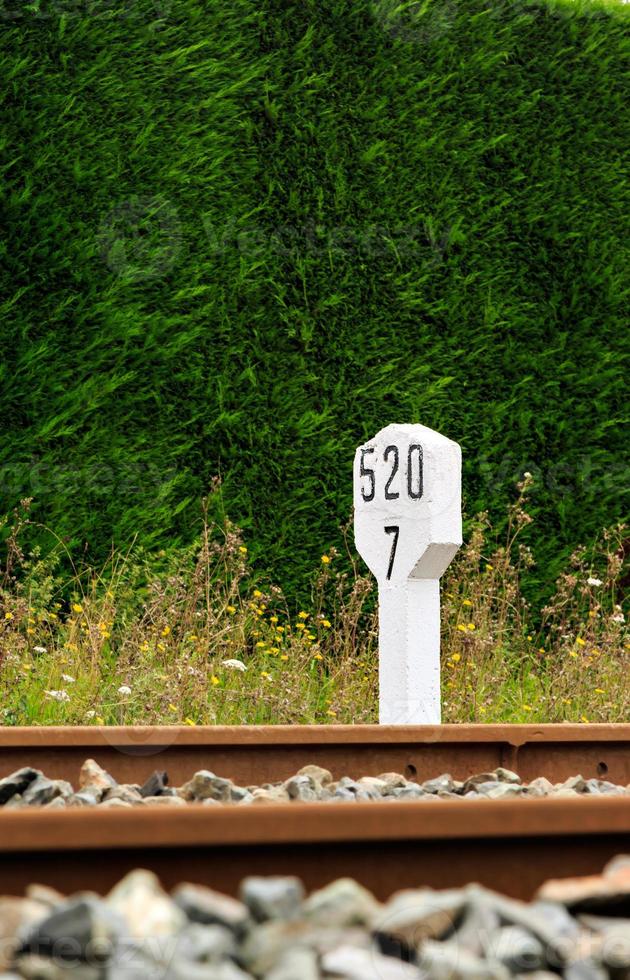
x=578, y=929
x=31, y=788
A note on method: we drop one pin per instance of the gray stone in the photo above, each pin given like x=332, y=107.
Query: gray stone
x=155, y=785
x=43, y=790
x=411, y=792
x=295, y=963
x=393, y=780
x=576, y=783
x=322, y=777
x=586, y=970
x=79, y=929
x=125, y=793
x=206, y=785
x=539, y=787
x=301, y=788
x=95, y=779
x=17, y=783
x=163, y=800
x=41, y=968
x=444, y=961
x=273, y=897
x=238, y=794
x=209, y=907
x=478, y=780
x=507, y=776
x=266, y=944
x=415, y=915
x=443, y=782
x=146, y=908
x=350, y=963
x=342, y=903
x=517, y=949
x=84, y=798
x=504, y=791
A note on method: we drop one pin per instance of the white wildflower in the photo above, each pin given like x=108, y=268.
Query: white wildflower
x=594, y=581
x=234, y=664
x=57, y=695
x=619, y=618
x=124, y=689
x=40, y=649
x=68, y=678
x=90, y=714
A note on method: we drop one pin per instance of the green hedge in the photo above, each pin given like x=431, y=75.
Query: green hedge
x=240, y=237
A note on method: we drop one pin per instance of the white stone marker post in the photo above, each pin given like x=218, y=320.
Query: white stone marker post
x=407, y=528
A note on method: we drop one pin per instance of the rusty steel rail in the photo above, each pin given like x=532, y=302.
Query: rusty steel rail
x=512, y=846
x=509, y=845
x=257, y=754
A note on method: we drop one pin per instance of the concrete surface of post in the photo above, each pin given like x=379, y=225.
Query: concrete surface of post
x=408, y=527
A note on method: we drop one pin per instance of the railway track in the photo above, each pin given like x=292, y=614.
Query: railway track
x=512, y=846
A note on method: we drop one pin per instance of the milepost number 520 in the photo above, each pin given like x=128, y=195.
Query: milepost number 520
x=407, y=479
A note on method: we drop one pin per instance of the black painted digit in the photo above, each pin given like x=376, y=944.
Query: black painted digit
x=415, y=491
x=395, y=530
x=389, y=495
x=366, y=471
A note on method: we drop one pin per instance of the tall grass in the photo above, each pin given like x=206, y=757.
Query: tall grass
x=188, y=636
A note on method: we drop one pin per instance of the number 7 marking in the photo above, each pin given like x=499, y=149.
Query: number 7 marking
x=395, y=530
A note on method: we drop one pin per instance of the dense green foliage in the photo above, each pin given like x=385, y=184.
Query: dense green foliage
x=240, y=237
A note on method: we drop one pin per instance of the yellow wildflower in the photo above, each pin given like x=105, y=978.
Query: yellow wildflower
x=284, y=657
x=599, y=690
x=317, y=656
x=326, y=624
x=456, y=658
x=76, y=607
x=189, y=721
x=257, y=594
x=333, y=714
x=243, y=549
x=526, y=707
x=279, y=629
x=471, y=626
x=230, y=609
x=214, y=680
x=461, y=627
x=261, y=644
x=302, y=615
x=466, y=602
x=300, y=626
x=8, y=615
x=580, y=642
x=325, y=560
x=172, y=708
x=273, y=619
x=166, y=631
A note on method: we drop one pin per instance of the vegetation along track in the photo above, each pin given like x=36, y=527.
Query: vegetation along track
x=510, y=845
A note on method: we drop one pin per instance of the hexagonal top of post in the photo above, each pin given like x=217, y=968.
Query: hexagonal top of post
x=407, y=503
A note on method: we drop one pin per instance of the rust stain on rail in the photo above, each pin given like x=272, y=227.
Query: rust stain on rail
x=512, y=846
x=255, y=754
